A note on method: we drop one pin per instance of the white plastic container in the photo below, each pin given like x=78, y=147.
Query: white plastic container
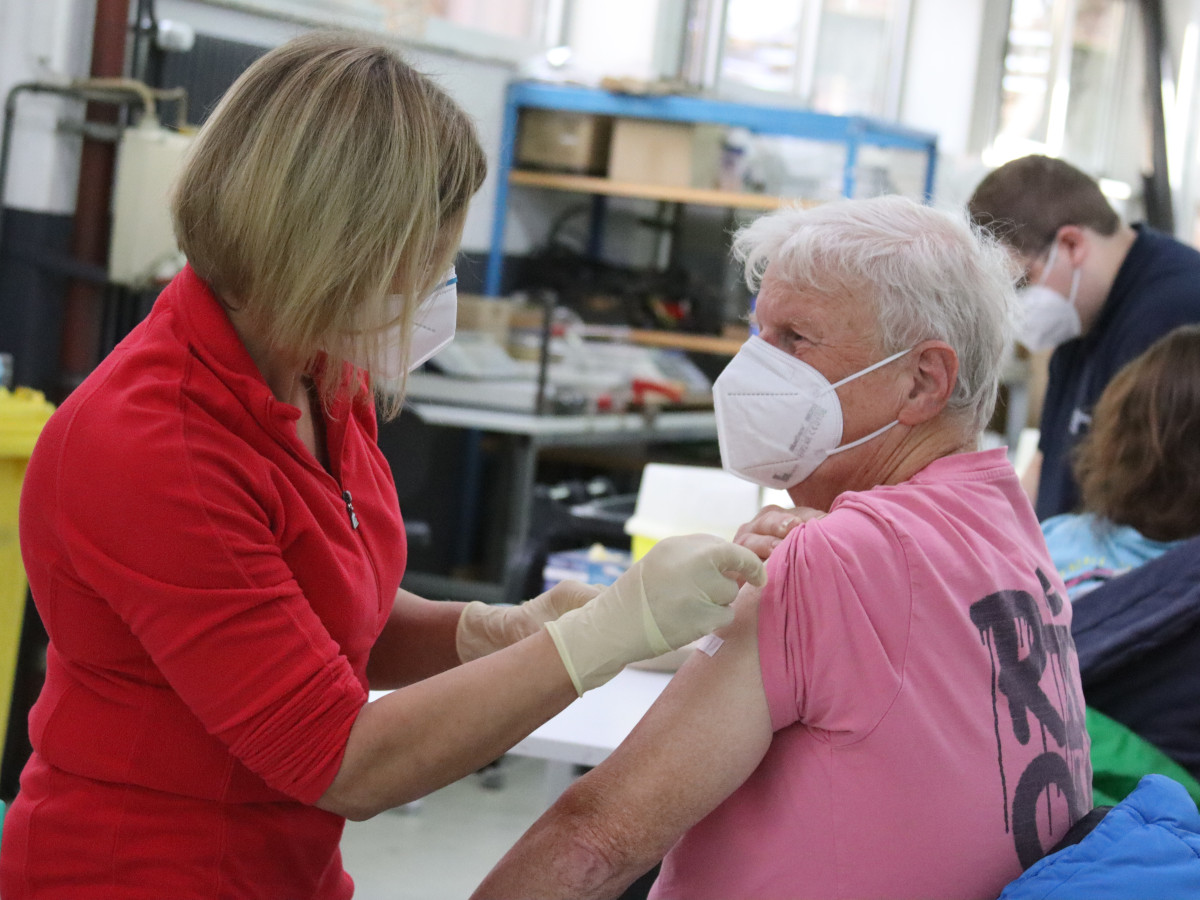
x=674, y=500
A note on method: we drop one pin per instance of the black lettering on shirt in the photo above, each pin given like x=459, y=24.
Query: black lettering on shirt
x=1022, y=645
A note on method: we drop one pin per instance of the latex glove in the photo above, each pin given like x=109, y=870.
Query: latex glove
x=484, y=628
x=677, y=592
x=766, y=531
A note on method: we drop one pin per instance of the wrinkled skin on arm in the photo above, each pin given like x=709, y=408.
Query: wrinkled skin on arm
x=702, y=738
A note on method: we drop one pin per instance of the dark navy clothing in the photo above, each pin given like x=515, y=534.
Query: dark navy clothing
x=1137, y=638
x=1156, y=290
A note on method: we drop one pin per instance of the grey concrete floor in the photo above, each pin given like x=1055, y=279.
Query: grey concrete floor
x=443, y=846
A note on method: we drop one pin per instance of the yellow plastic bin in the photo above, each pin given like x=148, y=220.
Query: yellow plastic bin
x=23, y=413
x=674, y=500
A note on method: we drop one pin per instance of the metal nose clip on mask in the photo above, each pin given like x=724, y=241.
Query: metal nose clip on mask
x=778, y=418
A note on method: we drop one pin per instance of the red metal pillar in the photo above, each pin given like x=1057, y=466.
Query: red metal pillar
x=79, y=350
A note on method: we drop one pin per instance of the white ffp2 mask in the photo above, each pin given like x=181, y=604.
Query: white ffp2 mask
x=433, y=325
x=382, y=352
x=778, y=418
x=1047, y=317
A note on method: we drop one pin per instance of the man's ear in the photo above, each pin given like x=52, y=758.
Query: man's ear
x=1075, y=244
x=933, y=378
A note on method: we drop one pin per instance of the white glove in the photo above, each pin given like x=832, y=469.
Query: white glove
x=677, y=592
x=484, y=628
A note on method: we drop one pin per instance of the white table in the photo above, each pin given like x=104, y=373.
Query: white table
x=522, y=437
x=588, y=730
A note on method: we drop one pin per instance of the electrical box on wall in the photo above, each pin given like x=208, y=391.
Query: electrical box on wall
x=143, y=248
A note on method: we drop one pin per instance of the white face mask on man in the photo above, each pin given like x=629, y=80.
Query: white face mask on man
x=382, y=352
x=1047, y=317
x=778, y=418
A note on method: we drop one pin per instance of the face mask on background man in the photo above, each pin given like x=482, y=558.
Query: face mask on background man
x=778, y=418
x=1047, y=317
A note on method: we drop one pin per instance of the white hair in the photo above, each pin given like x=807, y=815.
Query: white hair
x=930, y=275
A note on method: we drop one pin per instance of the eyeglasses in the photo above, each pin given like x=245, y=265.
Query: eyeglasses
x=1039, y=259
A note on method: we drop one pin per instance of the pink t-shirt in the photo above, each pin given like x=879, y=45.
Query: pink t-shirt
x=917, y=659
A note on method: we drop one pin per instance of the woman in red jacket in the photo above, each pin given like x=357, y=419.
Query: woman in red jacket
x=213, y=539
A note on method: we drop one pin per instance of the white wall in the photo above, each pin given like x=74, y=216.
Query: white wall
x=50, y=40
x=478, y=85
x=47, y=40
x=228, y=24
x=939, y=91
x=614, y=37
x=940, y=70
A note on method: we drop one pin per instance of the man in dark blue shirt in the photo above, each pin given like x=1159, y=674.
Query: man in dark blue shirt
x=1098, y=291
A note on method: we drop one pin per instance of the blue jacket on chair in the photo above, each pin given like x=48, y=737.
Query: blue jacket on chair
x=1147, y=846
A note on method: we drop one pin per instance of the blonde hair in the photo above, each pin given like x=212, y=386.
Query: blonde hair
x=330, y=175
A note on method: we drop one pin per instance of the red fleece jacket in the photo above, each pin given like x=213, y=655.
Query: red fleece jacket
x=211, y=608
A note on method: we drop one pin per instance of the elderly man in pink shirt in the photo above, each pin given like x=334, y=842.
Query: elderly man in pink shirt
x=898, y=713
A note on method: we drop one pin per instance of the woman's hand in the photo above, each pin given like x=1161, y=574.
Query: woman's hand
x=484, y=628
x=764, y=532
x=677, y=592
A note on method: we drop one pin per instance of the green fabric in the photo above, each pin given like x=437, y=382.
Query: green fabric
x=1120, y=758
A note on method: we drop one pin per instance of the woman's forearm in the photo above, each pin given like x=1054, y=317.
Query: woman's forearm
x=417, y=642
x=427, y=735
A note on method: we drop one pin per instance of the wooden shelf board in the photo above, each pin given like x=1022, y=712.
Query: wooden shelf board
x=697, y=343
x=588, y=184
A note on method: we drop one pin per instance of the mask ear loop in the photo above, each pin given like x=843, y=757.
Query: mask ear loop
x=1050, y=261
x=877, y=432
x=1076, y=274
x=871, y=368
x=862, y=440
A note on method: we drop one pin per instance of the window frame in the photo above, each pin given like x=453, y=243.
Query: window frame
x=804, y=79
x=440, y=35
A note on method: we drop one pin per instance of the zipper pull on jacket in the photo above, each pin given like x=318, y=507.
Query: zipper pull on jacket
x=350, y=509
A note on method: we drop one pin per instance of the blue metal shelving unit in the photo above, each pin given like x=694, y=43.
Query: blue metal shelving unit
x=851, y=131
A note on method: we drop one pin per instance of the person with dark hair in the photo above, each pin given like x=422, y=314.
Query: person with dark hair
x=1138, y=468
x=1097, y=292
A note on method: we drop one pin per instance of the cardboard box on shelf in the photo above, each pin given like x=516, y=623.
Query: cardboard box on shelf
x=525, y=324
x=490, y=315
x=563, y=141
x=651, y=152
x=708, y=143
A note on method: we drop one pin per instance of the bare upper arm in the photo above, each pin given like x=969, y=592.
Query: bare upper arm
x=702, y=738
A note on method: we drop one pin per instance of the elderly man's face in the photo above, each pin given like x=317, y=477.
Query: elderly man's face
x=838, y=336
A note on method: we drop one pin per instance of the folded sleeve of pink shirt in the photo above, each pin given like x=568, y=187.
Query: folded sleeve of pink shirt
x=833, y=626
x=197, y=576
